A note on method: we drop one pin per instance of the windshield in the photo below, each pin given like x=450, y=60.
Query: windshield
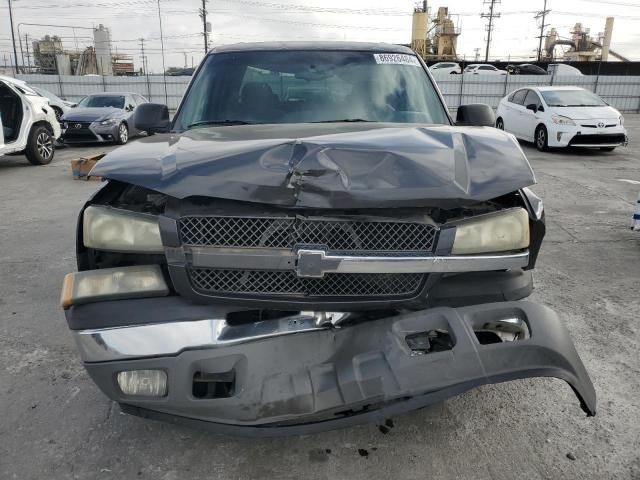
x=115, y=101
x=310, y=86
x=572, y=98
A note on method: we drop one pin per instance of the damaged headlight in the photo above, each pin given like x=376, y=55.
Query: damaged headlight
x=496, y=232
x=116, y=230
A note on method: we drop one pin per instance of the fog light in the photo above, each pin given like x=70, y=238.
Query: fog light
x=143, y=383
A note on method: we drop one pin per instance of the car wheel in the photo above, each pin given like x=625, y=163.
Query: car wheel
x=123, y=134
x=499, y=124
x=453, y=73
x=541, y=140
x=58, y=113
x=40, y=149
x=607, y=149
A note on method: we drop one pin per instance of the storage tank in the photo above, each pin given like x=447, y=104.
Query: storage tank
x=419, y=42
x=102, y=42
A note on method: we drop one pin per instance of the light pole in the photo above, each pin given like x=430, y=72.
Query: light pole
x=13, y=40
x=164, y=76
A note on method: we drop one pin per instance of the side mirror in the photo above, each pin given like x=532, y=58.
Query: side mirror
x=475, y=114
x=129, y=108
x=152, y=118
x=533, y=107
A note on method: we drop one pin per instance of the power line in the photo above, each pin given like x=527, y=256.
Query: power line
x=490, y=15
x=542, y=14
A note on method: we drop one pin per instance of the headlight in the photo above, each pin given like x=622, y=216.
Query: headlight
x=621, y=118
x=110, y=121
x=113, y=284
x=65, y=125
x=495, y=232
x=560, y=120
x=120, y=230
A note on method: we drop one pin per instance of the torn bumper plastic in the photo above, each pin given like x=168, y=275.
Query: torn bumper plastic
x=282, y=378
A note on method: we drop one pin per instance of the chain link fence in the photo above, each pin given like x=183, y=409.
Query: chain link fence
x=620, y=91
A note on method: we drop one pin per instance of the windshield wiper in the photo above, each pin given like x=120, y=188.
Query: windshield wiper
x=345, y=120
x=202, y=123
x=584, y=105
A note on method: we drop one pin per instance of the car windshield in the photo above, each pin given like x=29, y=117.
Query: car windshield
x=572, y=98
x=310, y=86
x=98, y=101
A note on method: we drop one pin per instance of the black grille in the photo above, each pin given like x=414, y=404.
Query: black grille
x=79, y=131
x=262, y=282
x=287, y=232
x=603, y=139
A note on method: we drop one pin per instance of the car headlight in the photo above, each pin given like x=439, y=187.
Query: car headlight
x=495, y=232
x=560, y=120
x=65, y=125
x=621, y=118
x=116, y=230
x=109, y=121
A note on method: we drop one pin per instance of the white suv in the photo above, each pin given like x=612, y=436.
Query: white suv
x=484, y=69
x=445, y=67
x=27, y=122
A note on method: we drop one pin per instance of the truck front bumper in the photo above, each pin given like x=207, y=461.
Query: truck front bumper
x=305, y=373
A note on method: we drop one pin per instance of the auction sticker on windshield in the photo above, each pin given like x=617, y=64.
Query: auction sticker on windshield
x=396, y=59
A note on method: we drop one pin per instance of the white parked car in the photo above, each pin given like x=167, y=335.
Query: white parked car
x=27, y=122
x=563, y=70
x=446, y=67
x=59, y=105
x=561, y=117
x=483, y=69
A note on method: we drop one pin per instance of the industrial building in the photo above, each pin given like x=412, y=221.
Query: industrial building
x=434, y=38
x=582, y=46
x=51, y=58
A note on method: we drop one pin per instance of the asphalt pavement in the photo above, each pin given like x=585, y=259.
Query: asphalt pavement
x=56, y=424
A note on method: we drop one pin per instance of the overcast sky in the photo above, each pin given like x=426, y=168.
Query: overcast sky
x=258, y=20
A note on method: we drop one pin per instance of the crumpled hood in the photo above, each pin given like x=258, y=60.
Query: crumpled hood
x=334, y=165
x=587, y=113
x=91, y=114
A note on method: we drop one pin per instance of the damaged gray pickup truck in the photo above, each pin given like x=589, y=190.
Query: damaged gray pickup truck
x=310, y=243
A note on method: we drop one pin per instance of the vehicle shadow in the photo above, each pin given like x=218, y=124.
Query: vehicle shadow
x=567, y=151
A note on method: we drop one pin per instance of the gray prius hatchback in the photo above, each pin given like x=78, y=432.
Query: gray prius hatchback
x=311, y=242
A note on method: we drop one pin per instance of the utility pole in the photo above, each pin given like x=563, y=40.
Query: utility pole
x=490, y=15
x=164, y=70
x=13, y=40
x=205, y=33
x=144, y=67
x=542, y=14
x=26, y=42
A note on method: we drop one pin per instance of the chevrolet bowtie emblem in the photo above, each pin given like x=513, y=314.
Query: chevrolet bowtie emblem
x=315, y=263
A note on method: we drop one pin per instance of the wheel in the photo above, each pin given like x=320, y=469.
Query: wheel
x=123, y=134
x=58, y=113
x=541, y=138
x=453, y=73
x=607, y=149
x=499, y=124
x=40, y=147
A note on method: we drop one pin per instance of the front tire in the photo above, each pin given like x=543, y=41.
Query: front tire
x=541, y=138
x=500, y=124
x=123, y=134
x=40, y=148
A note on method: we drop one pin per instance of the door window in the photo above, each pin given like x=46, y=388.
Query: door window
x=518, y=97
x=532, y=98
